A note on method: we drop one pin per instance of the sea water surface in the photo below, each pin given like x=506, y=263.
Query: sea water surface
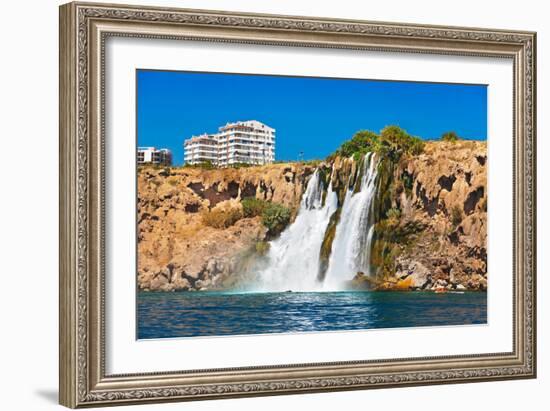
x=207, y=313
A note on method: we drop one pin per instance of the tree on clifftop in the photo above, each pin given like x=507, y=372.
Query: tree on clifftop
x=361, y=142
x=392, y=142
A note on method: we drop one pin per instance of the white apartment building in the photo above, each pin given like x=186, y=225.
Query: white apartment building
x=151, y=155
x=200, y=149
x=248, y=142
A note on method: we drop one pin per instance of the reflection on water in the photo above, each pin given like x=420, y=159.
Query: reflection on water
x=191, y=314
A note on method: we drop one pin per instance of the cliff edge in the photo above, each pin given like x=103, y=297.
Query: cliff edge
x=430, y=220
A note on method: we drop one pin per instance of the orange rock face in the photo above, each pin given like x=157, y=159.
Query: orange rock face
x=449, y=197
x=176, y=250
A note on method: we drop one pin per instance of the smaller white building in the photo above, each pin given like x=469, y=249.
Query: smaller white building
x=152, y=155
x=200, y=149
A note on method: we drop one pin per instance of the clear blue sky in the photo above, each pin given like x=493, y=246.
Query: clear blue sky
x=313, y=115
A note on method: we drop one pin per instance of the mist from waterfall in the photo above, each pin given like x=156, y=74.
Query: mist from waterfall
x=293, y=258
x=351, y=247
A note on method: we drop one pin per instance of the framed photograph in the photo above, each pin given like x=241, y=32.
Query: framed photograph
x=260, y=204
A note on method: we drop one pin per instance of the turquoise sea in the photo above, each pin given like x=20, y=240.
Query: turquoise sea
x=206, y=313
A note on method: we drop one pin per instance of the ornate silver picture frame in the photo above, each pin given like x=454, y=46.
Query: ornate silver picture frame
x=84, y=30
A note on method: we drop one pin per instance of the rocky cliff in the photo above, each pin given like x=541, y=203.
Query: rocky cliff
x=176, y=249
x=430, y=220
x=432, y=233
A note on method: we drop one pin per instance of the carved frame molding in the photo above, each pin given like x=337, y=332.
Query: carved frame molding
x=83, y=30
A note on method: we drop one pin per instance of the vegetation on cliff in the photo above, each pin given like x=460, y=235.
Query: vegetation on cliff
x=275, y=216
x=326, y=245
x=450, y=136
x=392, y=142
x=221, y=218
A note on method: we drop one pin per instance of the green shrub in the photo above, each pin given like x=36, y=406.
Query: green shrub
x=395, y=141
x=253, y=207
x=262, y=247
x=275, y=217
x=450, y=136
x=394, y=215
x=456, y=215
x=407, y=182
x=218, y=218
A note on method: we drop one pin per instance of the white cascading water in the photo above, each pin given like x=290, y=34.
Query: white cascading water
x=352, y=241
x=293, y=258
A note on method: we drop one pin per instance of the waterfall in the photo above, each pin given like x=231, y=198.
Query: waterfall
x=352, y=241
x=293, y=259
